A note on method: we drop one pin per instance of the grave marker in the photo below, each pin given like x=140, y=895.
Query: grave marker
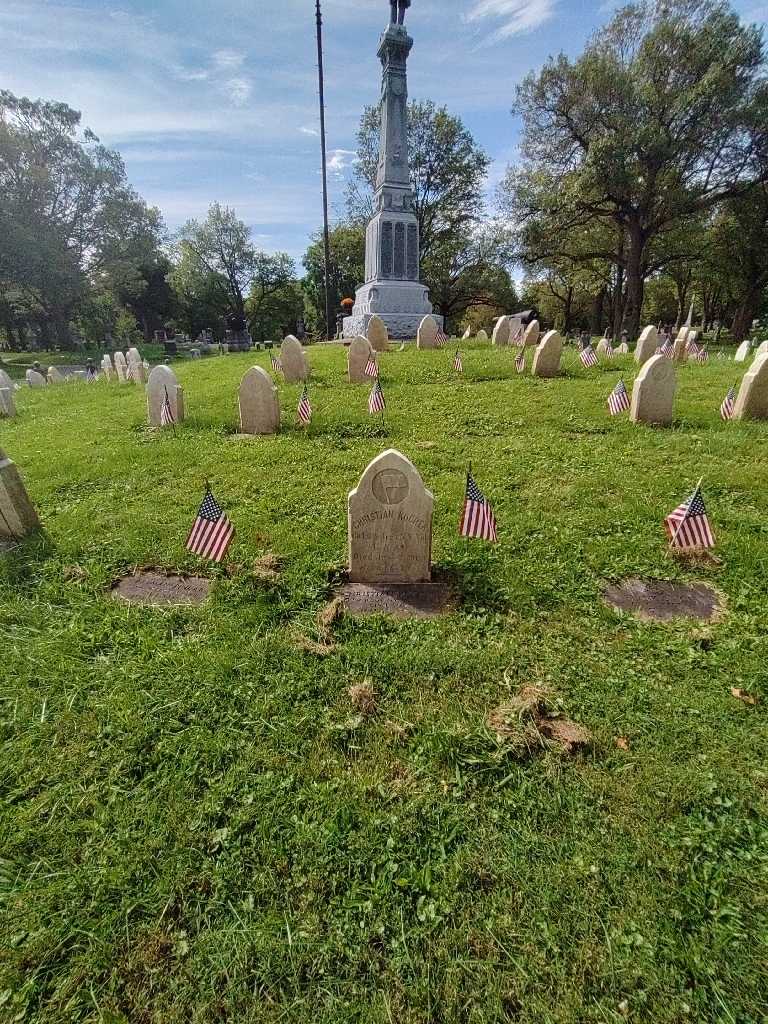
x=427, y=335
x=378, y=335
x=17, y=515
x=259, y=404
x=502, y=332
x=531, y=336
x=646, y=346
x=294, y=361
x=653, y=396
x=35, y=379
x=742, y=352
x=546, y=358
x=7, y=404
x=752, y=402
x=121, y=367
x=163, y=378
x=359, y=353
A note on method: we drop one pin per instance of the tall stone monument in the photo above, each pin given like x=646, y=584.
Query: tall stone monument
x=392, y=289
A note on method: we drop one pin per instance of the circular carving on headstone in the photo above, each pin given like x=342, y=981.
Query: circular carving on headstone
x=663, y=600
x=390, y=487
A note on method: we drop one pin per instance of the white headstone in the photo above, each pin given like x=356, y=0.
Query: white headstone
x=501, y=332
x=162, y=380
x=35, y=379
x=531, y=336
x=653, y=396
x=546, y=358
x=467, y=334
x=752, y=401
x=623, y=349
x=427, y=334
x=106, y=367
x=6, y=382
x=390, y=524
x=294, y=361
x=360, y=351
x=7, y=403
x=55, y=376
x=259, y=404
x=761, y=349
x=378, y=335
x=121, y=367
x=742, y=352
x=482, y=335
x=17, y=514
x=647, y=344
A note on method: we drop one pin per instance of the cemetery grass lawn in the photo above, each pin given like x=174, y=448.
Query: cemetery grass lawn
x=197, y=825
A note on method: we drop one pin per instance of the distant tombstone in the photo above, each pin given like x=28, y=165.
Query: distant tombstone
x=427, y=334
x=390, y=524
x=133, y=355
x=6, y=382
x=623, y=349
x=752, y=401
x=482, y=335
x=501, y=332
x=378, y=335
x=646, y=346
x=546, y=358
x=531, y=336
x=35, y=379
x=294, y=361
x=681, y=346
x=653, y=396
x=467, y=334
x=106, y=367
x=121, y=367
x=360, y=351
x=604, y=348
x=742, y=352
x=135, y=368
x=17, y=514
x=259, y=404
x=162, y=380
x=7, y=404
x=55, y=376
x=762, y=349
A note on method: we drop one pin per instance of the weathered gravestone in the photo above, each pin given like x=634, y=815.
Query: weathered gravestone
x=604, y=348
x=752, y=401
x=135, y=368
x=482, y=335
x=7, y=404
x=17, y=514
x=467, y=334
x=762, y=349
x=546, y=358
x=259, y=404
x=390, y=524
x=681, y=345
x=653, y=396
x=360, y=351
x=55, y=376
x=531, y=336
x=294, y=361
x=106, y=367
x=502, y=332
x=742, y=352
x=162, y=381
x=121, y=367
x=623, y=349
x=35, y=379
x=427, y=335
x=6, y=382
x=378, y=335
x=647, y=344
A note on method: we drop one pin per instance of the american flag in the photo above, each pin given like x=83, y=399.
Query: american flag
x=132, y=372
x=167, y=419
x=703, y=354
x=477, y=519
x=440, y=337
x=91, y=375
x=371, y=367
x=608, y=350
x=376, y=401
x=277, y=366
x=729, y=405
x=588, y=357
x=305, y=409
x=688, y=526
x=458, y=365
x=212, y=532
x=520, y=361
x=693, y=349
x=667, y=349
x=618, y=400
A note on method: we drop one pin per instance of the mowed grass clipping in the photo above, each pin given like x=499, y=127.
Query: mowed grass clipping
x=198, y=823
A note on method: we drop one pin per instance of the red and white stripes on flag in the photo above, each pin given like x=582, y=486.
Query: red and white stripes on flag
x=688, y=526
x=618, y=400
x=371, y=368
x=277, y=366
x=520, y=361
x=212, y=532
x=305, y=409
x=703, y=355
x=729, y=405
x=376, y=401
x=167, y=419
x=477, y=519
x=441, y=338
x=588, y=357
x=458, y=365
x=608, y=350
x=667, y=349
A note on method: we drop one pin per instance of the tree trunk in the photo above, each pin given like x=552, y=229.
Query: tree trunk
x=635, y=280
x=596, y=313
x=618, y=303
x=746, y=313
x=568, y=310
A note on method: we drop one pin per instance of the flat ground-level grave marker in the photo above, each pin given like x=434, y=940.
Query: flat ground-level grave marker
x=664, y=600
x=153, y=588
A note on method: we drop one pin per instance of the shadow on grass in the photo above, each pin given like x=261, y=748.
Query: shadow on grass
x=19, y=561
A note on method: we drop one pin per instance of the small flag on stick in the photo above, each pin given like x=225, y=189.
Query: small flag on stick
x=458, y=365
x=477, y=520
x=305, y=409
x=608, y=350
x=667, y=349
x=589, y=357
x=376, y=401
x=91, y=375
x=729, y=405
x=703, y=355
x=688, y=526
x=520, y=361
x=618, y=400
x=212, y=532
x=371, y=367
x=167, y=419
x=440, y=338
x=277, y=366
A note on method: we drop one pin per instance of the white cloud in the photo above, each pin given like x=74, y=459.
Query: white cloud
x=516, y=16
x=239, y=90
x=309, y=131
x=340, y=160
x=227, y=60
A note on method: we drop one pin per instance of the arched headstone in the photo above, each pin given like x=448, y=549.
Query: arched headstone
x=378, y=335
x=467, y=334
x=7, y=403
x=531, y=336
x=546, y=358
x=653, y=396
x=742, y=352
x=390, y=524
x=106, y=367
x=259, y=404
x=360, y=351
x=55, y=376
x=501, y=332
x=162, y=380
x=35, y=379
x=427, y=334
x=647, y=344
x=294, y=361
x=482, y=335
x=121, y=367
x=752, y=400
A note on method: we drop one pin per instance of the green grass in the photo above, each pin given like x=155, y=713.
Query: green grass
x=195, y=826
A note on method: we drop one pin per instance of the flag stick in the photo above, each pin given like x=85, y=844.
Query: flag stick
x=685, y=517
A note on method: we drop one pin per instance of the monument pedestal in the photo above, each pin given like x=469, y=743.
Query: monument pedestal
x=402, y=305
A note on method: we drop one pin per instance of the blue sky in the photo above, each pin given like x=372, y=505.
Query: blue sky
x=216, y=100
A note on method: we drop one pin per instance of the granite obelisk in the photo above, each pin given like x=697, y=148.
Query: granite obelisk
x=392, y=289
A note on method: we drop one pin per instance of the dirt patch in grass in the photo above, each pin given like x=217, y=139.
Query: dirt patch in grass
x=664, y=600
x=531, y=721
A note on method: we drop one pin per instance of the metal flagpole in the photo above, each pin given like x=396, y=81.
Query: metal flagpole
x=326, y=236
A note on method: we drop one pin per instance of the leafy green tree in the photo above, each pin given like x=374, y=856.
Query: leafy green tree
x=347, y=272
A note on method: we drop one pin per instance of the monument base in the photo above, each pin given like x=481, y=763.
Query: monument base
x=402, y=305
